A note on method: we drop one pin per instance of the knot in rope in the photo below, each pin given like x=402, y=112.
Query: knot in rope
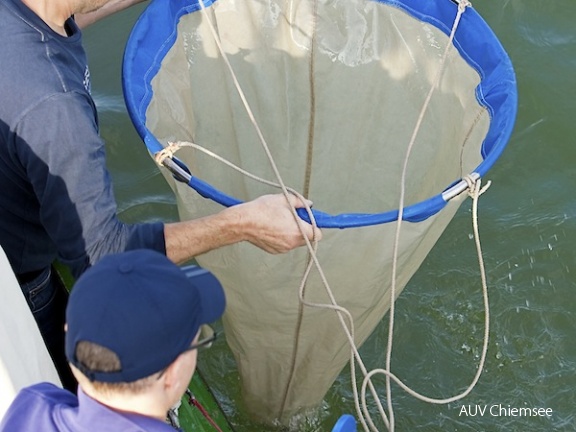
x=463, y=4
x=474, y=190
x=166, y=152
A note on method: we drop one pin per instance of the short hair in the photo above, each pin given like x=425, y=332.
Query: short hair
x=99, y=358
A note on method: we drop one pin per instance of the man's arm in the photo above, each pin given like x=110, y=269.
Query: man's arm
x=78, y=210
x=64, y=160
x=85, y=19
x=266, y=222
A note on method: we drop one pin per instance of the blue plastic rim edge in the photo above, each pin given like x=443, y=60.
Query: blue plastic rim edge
x=155, y=32
x=346, y=423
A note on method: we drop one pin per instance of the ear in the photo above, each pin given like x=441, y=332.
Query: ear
x=174, y=382
x=169, y=376
x=178, y=375
x=173, y=374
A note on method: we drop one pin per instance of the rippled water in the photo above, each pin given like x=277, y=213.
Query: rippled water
x=527, y=228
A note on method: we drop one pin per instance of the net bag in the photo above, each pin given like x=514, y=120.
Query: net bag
x=337, y=87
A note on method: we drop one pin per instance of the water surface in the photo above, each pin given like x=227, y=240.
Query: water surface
x=527, y=229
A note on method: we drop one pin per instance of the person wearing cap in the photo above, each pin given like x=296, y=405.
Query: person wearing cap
x=132, y=339
x=57, y=199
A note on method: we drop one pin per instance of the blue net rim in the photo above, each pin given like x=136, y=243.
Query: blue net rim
x=155, y=32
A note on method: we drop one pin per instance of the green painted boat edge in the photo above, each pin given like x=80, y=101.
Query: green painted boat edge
x=191, y=419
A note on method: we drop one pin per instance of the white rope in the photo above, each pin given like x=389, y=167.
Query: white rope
x=311, y=249
x=461, y=8
x=174, y=146
x=474, y=192
x=344, y=315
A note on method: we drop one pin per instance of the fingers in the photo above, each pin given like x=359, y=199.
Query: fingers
x=270, y=224
x=297, y=202
x=317, y=234
x=311, y=232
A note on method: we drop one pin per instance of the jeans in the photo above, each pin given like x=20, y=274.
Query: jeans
x=47, y=298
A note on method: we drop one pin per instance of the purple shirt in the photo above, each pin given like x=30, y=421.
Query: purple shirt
x=47, y=408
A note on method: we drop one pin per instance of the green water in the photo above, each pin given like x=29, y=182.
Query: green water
x=527, y=230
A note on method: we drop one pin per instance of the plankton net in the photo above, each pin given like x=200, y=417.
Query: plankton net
x=336, y=87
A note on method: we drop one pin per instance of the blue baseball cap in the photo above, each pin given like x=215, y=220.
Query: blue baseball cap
x=142, y=307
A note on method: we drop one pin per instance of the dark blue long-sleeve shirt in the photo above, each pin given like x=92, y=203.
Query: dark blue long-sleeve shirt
x=56, y=199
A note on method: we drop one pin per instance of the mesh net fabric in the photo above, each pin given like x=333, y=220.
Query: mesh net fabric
x=336, y=87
